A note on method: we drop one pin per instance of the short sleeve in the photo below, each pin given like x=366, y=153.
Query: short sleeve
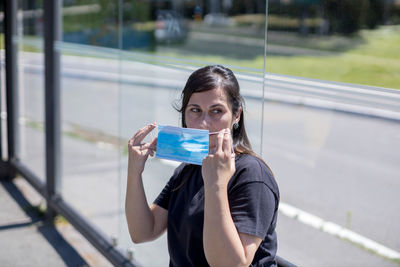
x=252, y=206
x=164, y=197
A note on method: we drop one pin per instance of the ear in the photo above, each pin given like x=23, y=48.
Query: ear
x=237, y=117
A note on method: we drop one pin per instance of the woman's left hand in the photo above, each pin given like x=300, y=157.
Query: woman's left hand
x=218, y=168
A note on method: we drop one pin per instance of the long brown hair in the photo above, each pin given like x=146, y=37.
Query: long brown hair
x=217, y=76
x=209, y=78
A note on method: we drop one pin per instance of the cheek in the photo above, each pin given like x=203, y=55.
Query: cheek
x=223, y=122
x=191, y=121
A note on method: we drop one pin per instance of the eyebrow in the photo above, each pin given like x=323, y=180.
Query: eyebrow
x=212, y=106
x=217, y=105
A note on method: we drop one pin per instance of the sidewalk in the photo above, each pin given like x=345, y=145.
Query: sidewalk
x=26, y=240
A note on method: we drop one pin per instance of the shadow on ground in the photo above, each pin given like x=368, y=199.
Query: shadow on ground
x=67, y=253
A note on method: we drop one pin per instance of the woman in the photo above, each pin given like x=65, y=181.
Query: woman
x=222, y=213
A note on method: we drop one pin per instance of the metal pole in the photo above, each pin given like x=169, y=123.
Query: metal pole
x=10, y=30
x=1, y=102
x=4, y=166
x=52, y=33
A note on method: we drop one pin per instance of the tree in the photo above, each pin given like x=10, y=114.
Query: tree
x=345, y=16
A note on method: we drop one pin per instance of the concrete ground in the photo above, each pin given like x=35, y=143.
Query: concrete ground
x=27, y=240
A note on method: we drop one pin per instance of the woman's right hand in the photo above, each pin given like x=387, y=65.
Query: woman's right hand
x=139, y=151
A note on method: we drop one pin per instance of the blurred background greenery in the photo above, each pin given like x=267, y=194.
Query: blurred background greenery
x=354, y=41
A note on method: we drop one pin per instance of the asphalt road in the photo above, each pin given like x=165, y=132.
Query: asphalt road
x=338, y=166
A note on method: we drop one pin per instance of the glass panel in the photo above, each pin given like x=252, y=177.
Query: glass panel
x=182, y=36
x=3, y=136
x=330, y=119
x=31, y=85
x=89, y=100
x=328, y=129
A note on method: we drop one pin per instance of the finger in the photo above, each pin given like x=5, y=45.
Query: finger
x=153, y=144
x=227, y=144
x=146, y=152
x=142, y=133
x=151, y=152
x=220, y=138
x=224, y=143
x=208, y=158
x=146, y=146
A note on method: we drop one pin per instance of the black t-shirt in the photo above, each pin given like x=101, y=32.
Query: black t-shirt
x=253, y=200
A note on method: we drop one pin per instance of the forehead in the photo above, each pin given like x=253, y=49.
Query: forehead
x=208, y=98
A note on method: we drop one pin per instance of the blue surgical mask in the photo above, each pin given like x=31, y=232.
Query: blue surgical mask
x=182, y=144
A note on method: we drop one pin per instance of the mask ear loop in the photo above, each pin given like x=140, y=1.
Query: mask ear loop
x=212, y=133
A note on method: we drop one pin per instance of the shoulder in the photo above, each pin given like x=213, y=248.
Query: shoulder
x=250, y=169
x=254, y=168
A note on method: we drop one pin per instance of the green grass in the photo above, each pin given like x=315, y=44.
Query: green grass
x=376, y=62
x=370, y=58
x=342, y=68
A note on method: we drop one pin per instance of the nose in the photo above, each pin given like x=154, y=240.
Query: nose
x=205, y=122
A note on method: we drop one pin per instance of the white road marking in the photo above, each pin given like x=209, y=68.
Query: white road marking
x=337, y=230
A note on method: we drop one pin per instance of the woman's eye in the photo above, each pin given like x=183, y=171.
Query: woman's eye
x=195, y=110
x=216, y=111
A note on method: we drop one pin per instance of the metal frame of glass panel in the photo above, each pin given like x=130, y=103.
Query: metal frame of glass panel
x=13, y=166
x=55, y=202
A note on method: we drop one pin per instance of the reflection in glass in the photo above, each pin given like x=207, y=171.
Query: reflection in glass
x=312, y=38
x=89, y=101
x=31, y=85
